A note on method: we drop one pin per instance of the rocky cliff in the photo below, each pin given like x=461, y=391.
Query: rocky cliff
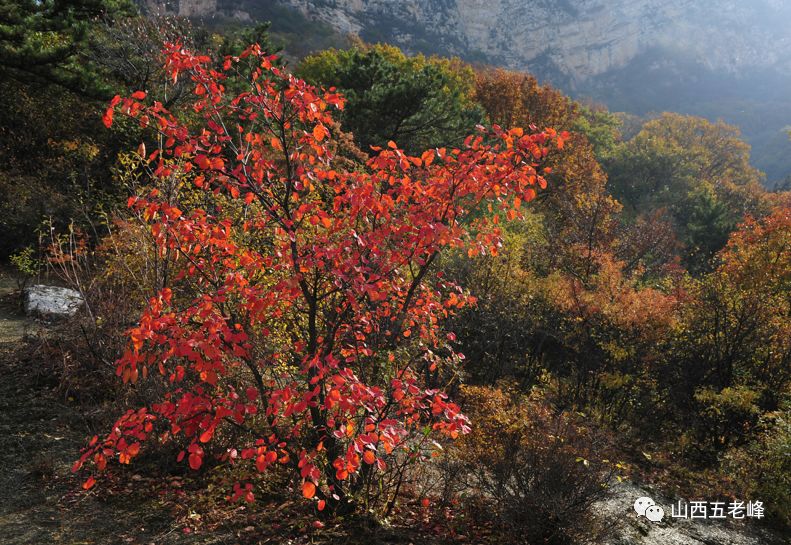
x=576, y=39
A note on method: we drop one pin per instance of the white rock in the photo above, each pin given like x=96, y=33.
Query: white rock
x=52, y=301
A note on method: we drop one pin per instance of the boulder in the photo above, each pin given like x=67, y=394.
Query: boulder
x=52, y=301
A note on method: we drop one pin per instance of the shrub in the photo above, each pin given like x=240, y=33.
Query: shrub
x=299, y=325
x=533, y=470
x=763, y=467
x=26, y=266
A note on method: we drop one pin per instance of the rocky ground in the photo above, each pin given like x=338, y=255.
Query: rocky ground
x=629, y=529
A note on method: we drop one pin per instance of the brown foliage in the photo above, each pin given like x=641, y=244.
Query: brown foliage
x=533, y=472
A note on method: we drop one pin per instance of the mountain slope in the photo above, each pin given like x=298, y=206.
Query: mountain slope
x=725, y=59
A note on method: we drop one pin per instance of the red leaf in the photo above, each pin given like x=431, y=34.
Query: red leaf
x=260, y=463
x=203, y=162
x=107, y=118
x=133, y=449
x=195, y=461
x=251, y=393
x=369, y=457
x=308, y=489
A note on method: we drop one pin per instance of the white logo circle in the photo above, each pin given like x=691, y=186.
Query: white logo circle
x=641, y=504
x=654, y=513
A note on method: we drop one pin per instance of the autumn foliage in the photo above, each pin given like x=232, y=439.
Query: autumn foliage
x=300, y=323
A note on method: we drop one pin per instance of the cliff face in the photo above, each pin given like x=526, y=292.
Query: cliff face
x=573, y=39
x=182, y=8
x=576, y=38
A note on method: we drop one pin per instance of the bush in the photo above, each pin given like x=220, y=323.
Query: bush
x=26, y=266
x=299, y=325
x=535, y=471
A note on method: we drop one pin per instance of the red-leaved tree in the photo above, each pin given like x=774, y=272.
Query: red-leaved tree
x=301, y=324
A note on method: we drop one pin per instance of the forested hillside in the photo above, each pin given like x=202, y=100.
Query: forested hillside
x=359, y=294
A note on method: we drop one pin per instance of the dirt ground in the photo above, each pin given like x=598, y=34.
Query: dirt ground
x=41, y=432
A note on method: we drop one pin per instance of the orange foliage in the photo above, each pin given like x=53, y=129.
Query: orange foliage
x=578, y=209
